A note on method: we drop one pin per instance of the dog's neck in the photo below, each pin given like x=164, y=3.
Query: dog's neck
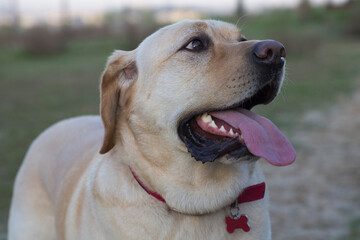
x=235, y=219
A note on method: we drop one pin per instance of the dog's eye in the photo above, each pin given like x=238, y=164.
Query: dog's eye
x=195, y=45
x=242, y=39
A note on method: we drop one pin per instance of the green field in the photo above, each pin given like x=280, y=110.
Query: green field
x=35, y=92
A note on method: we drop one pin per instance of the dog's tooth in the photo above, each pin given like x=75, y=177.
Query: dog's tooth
x=231, y=131
x=212, y=124
x=206, y=118
x=242, y=137
x=222, y=129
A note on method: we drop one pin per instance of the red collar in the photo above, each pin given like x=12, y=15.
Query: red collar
x=154, y=194
x=234, y=220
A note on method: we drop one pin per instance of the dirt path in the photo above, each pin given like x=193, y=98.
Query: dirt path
x=318, y=196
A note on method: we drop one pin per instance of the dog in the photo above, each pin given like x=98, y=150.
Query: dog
x=174, y=154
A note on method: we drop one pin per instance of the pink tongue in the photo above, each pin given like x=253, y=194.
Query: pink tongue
x=262, y=137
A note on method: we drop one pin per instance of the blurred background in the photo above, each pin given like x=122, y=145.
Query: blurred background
x=52, y=53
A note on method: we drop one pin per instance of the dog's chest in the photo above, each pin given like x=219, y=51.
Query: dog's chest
x=207, y=227
x=141, y=216
x=161, y=225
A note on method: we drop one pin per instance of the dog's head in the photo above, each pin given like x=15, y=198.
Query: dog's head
x=182, y=98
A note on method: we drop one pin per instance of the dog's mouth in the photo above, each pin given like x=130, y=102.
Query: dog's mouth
x=238, y=132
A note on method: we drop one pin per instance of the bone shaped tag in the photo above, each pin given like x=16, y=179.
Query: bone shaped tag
x=233, y=224
x=237, y=220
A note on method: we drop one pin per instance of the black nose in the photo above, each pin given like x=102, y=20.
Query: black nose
x=269, y=52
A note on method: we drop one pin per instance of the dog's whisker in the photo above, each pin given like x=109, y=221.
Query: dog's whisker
x=239, y=19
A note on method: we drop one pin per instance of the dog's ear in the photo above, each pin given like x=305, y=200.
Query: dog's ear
x=120, y=73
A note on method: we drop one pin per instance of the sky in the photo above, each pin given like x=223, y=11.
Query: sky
x=49, y=11
x=37, y=7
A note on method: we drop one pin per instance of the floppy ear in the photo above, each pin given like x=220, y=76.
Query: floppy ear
x=119, y=74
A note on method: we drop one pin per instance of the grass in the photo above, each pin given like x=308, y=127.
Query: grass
x=354, y=229
x=38, y=91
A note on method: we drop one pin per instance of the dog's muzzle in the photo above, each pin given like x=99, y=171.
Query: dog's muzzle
x=237, y=131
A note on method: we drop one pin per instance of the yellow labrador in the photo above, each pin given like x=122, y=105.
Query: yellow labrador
x=174, y=154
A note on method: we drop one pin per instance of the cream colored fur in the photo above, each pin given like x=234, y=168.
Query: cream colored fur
x=66, y=189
